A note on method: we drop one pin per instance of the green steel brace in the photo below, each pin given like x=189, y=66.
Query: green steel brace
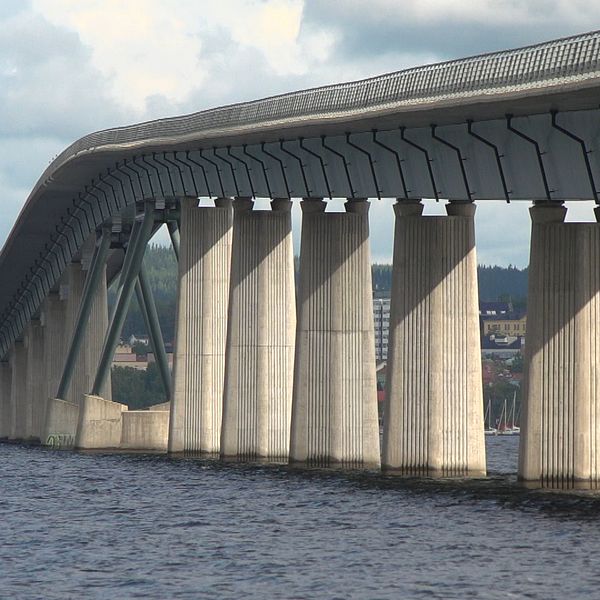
x=83, y=315
x=145, y=299
x=134, y=255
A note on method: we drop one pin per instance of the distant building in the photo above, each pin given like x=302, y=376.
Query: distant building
x=381, y=319
x=501, y=345
x=512, y=324
x=495, y=308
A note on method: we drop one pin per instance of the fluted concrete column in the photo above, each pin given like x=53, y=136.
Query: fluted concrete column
x=18, y=391
x=5, y=400
x=199, y=361
x=259, y=364
x=75, y=282
x=94, y=337
x=433, y=418
x=560, y=433
x=35, y=380
x=52, y=317
x=334, y=412
x=89, y=355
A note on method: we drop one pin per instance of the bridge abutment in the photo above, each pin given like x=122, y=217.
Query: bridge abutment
x=334, y=410
x=201, y=330
x=560, y=437
x=259, y=361
x=433, y=421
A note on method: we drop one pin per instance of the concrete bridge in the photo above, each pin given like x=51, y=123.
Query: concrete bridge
x=263, y=369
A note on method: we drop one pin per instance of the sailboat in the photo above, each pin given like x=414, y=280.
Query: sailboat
x=487, y=420
x=507, y=426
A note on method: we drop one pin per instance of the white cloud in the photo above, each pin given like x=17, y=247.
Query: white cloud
x=148, y=48
x=70, y=66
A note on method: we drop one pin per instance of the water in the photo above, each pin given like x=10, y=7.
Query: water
x=142, y=526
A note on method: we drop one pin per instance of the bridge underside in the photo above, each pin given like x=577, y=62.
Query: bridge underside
x=520, y=125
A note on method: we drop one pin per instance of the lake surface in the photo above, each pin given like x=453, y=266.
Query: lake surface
x=118, y=526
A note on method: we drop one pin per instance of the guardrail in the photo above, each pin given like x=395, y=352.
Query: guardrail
x=560, y=59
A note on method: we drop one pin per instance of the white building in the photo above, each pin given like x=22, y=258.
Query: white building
x=381, y=318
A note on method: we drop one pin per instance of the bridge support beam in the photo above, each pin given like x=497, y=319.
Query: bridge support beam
x=259, y=360
x=145, y=299
x=18, y=391
x=334, y=411
x=5, y=400
x=560, y=433
x=433, y=418
x=199, y=361
x=35, y=397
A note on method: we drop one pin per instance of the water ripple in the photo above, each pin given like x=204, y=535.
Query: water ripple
x=78, y=525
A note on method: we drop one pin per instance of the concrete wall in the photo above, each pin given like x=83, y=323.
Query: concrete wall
x=100, y=423
x=61, y=417
x=145, y=430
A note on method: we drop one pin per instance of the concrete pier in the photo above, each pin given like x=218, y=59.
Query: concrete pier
x=52, y=317
x=199, y=361
x=560, y=418
x=18, y=392
x=259, y=365
x=145, y=430
x=334, y=412
x=5, y=400
x=434, y=408
x=36, y=385
x=100, y=423
x=80, y=383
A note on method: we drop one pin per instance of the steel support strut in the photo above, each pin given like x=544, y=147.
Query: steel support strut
x=131, y=267
x=148, y=307
x=174, y=234
x=85, y=308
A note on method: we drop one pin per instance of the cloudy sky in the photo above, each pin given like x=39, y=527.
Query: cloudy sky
x=68, y=67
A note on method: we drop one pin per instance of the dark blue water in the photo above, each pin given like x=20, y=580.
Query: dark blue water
x=138, y=526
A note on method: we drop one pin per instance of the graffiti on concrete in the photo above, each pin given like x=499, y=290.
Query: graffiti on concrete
x=60, y=440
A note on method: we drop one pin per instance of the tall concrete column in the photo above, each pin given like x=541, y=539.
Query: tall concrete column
x=36, y=384
x=94, y=336
x=18, y=391
x=80, y=383
x=199, y=361
x=89, y=355
x=5, y=400
x=52, y=317
x=334, y=411
x=560, y=433
x=433, y=418
x=259, y=360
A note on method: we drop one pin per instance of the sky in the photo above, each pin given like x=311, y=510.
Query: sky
x=69, y=67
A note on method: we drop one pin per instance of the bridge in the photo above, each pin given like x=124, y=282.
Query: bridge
x=263, y=369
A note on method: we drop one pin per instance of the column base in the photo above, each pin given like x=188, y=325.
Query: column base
x=100, y=423
x=145, y=430
x=60, y=423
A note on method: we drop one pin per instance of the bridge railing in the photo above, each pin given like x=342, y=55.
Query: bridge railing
x=560, y=59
